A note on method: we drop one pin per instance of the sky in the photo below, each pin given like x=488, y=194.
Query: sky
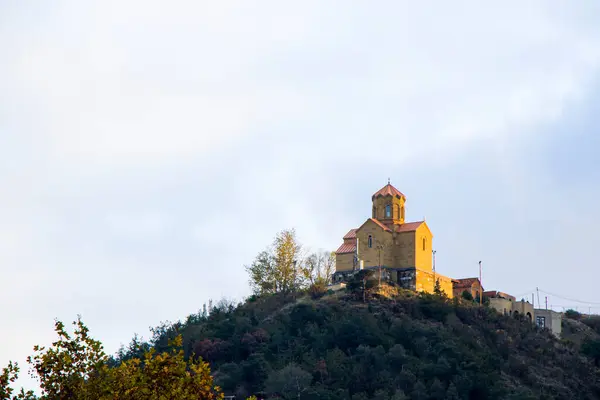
x=149, y=150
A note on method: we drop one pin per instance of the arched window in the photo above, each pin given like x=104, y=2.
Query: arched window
x=396, y=212
x=388, y=211
x=401, y=212
x=370, y=241
x=424, y=244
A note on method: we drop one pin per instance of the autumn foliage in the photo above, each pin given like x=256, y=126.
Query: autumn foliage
x=76, y=367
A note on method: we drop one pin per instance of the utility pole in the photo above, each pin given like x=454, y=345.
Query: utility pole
x=379, y=262
x=546, y=302
x=380, y=247
x=538, y=295
x=481, y=286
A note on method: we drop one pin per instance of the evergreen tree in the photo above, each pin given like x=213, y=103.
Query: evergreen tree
x=399, y=395
x=437, y=391
x=452, y=393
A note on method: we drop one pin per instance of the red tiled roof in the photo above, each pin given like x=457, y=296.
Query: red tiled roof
x=346, y=248
x=408, y=227
x=388, y=190
x=350, y=235
x=465, y=282
x=385, y=228
x=495, y=293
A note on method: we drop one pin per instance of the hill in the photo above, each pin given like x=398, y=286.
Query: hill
x=398, y=346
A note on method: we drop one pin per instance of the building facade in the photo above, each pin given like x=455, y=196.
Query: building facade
x=469, y=285
x=549, y=319
x=385, y=241
x=507, y=305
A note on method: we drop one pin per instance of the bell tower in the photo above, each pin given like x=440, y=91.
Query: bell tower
x=388, y=205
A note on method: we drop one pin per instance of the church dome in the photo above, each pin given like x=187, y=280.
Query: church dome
x=388, y=190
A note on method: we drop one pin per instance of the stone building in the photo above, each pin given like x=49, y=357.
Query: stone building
x=507, y=305
x=470, y=285
x=386, y=242
x=549, y=319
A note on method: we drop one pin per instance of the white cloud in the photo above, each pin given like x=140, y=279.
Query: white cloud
x=123, y=83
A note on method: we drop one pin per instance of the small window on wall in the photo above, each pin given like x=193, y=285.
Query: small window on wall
x=370, y=241
x=424, y=244
x=388, y=211
x=540, y=321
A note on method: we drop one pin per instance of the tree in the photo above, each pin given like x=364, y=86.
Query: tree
x=318, y=268
x=278, y=269
x=289, y=382
x=360, y=283
x=76, y=367
x=163, y=376
x=467, y=295
x=287, y=251
x=419, y=391
x=72, y=367
x=399, y=395
x=591, y=348
x=437, y=390
x=7, y=377
x=437, y=289
x=262, y=273
x=572, y=314
x=452, y=393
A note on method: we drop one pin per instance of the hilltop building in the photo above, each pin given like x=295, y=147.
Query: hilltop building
x=402, y=250
x=549, y=319
x=470, y=285
x=508, y=305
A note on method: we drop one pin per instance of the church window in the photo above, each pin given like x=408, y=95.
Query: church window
x=370, y=241
x=388, y=211
x=424, y=244
x=402, y=213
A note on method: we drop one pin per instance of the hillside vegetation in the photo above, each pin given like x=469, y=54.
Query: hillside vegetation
x=391, y=347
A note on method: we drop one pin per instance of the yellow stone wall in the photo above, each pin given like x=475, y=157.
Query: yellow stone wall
x=403, y=252
x=343, y=262
x=397, y=204
x=425, y=282
x=523, y=308
x=370, y=256
x=507, y=307
x=423, y=255
x=503, y=306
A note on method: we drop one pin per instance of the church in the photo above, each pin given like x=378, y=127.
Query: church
x=402, y=250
